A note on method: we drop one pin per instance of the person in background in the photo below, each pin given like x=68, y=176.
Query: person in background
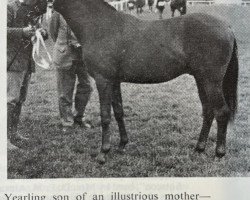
x=22, y=22
x=160, y=5
x=139, y=6
x=67, y=58
x=150, y=5
x=131, y=5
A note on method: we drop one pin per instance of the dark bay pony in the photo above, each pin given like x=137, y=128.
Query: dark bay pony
x=121, y=48
x=180, y=5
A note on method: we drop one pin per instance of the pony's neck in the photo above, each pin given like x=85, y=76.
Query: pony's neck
x=91, y=20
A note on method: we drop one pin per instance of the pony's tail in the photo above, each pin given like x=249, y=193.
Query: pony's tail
x=230, y=82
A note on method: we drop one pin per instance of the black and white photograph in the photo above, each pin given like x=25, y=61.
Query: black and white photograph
x=127, y=89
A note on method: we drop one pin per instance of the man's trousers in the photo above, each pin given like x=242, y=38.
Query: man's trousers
x=17, y=88
x=73, y=85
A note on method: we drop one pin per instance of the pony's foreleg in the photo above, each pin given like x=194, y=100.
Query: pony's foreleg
x=104, y=88
x=119, y=114
x=208, y=117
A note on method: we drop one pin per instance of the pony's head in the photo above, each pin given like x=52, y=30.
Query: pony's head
x=37, y=7
x=60, y=5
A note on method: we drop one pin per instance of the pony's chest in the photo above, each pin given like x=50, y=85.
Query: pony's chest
x=101, y=59
x=99, y=55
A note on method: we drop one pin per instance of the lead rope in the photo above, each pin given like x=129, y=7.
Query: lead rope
x=38, y=59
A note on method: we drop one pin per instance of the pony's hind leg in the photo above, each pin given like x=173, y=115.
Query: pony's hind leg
x=208, y=117
x=221, y=112
x=119, y=114
x=104, y=88
x=222, y=118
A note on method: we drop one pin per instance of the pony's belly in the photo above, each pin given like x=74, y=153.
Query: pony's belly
x=145, y=80
x=152, y=74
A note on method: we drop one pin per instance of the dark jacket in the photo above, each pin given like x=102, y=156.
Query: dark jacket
x=19, y=54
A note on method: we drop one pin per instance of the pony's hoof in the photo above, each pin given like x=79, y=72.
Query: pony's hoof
x=101, y=158
x=220, y=152
x=121, y=150
x=122, y=146
x=200, y=147
x=105, y=148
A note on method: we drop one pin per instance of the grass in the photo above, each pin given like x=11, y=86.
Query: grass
x=163, y=122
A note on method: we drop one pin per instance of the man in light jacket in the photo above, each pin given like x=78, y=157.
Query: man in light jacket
x=67, y=58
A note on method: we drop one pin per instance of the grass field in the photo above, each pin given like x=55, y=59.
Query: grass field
x=163, y=122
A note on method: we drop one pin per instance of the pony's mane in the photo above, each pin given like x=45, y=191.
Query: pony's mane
x=107, y=4
x=103, y=2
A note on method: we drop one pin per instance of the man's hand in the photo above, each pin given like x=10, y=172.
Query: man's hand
x=28, y=32
x=44, y=33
